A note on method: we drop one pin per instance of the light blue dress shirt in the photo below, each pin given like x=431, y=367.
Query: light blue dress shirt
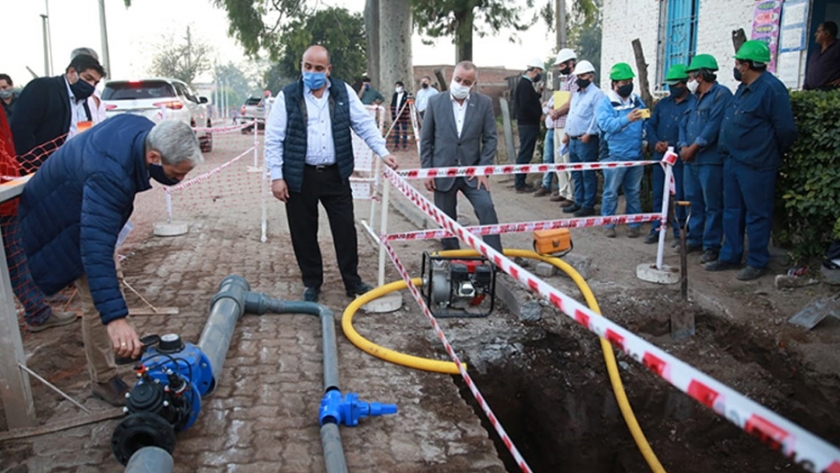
x=581, y=118
x=423, y=96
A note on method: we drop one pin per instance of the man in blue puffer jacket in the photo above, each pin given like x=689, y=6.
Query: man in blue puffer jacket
x=619, y=117
x=72, y=211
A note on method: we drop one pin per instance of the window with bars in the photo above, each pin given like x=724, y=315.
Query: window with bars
x=680, y=33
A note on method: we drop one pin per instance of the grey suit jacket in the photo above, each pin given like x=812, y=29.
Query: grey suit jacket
x=440, y=145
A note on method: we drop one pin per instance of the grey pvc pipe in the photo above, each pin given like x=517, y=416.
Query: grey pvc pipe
x=333, y=451
x=227, y=307
x=150, y=460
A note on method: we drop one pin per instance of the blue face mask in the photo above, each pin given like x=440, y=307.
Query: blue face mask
x=157, y=173
x=314, y=80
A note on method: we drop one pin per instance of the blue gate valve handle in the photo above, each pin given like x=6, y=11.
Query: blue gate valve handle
x=348, y=410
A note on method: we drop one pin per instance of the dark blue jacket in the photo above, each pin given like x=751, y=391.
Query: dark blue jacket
x=702, y=122
x=758, y=124
x=664, y=123
x=73, y=208
x=294, y=145
x=42, y=114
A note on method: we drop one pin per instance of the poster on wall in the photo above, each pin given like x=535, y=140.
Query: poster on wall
x=794, y=26
x=766, y=17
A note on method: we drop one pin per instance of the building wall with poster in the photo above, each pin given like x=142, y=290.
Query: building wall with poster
x=673, y=31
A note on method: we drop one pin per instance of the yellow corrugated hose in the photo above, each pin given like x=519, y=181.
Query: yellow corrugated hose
x=450, y=368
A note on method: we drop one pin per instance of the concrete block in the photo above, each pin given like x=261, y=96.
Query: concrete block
x=545, y=270
x=581, y=263
x=667, y=275
x=784, y=281
x=830, y=276
x=387, y=303
x=165, y=229
x=518, y=303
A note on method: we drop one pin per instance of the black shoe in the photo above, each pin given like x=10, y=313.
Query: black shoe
x=310, y=294
x=113, y=391
x=584, y=212
x=749, y=273
x=709, y=256
x=652, y=238
x=526, y=189
x=360, y=289
x=571, y=209
x=633, y=232
x=720, y=265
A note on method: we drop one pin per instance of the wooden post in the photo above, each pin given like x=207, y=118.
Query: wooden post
x=738, y=38
x=14, y=384
x=508, y=130
x=443, y=86
x=641, y=65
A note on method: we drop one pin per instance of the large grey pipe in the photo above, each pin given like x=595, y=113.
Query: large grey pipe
x=330, y=437
x=150, y=460
x=225, y=310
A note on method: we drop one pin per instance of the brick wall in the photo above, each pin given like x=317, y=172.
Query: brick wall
x=718, y=18
x=492, y=81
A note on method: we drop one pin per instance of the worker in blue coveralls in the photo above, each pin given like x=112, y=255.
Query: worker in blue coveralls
x=662, y=131
x=757, y=129
x=621, y=121
x=703, y=175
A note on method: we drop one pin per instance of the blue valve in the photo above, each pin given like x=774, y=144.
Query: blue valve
x=349, y=410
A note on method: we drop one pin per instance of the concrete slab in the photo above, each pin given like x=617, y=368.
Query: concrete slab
x=166, y=229
x=667, y=275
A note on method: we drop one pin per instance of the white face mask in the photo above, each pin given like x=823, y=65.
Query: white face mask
x=693, y=85
x=399, y=90
x=459, y=91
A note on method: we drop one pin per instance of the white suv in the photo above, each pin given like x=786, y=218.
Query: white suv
x=159, y=99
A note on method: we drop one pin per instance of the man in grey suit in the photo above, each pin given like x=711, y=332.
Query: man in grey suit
x=459, y=130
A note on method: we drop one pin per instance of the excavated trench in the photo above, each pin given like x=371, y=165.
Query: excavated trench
x=555, y=400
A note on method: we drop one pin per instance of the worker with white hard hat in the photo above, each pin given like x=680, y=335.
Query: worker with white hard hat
x=528, y=114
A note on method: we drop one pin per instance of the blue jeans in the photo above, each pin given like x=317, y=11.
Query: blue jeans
x=548, y=158
x=527, y=142
x=659, y=187
x=704, y=189
x=586, y=182
x=401, y=130
x=748, y=200
x=30, y=295
x=629, y=179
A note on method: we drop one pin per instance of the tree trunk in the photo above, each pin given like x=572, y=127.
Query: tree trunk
x=738, y=38
x=372, y=35
x=641, y=65
x=464, y=35
x=395, y=46
x=560, y=23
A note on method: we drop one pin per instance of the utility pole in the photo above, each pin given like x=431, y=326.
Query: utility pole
x=103, y=32
x=560, y=23
x=189, y=53
x=46, y=47
x=49, y=36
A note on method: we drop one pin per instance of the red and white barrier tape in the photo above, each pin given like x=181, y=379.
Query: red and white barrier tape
x=208, y=174
x=530, y=226
x=224, y=129
x=517, y=168
x=467, y=379
x=796, y=443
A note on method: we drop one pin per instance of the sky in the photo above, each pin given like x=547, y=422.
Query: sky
x=133, y=32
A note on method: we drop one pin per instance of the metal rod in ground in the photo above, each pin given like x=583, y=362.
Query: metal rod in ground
x=51, y=386
x=126, y=284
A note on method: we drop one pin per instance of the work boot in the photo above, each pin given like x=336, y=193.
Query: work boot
x=310, y=294
x=542, y=192
x=584, y=212
x=633, y=232
x=709, y=256
x=56, y=319
x=749, y=273
x=570, y=209
x=555, y=197
x=720, y=265
x=689, y=248
x=567, y=203
x=526, y=189
x=112, y=391
x=360, y=289
x=675, y=243
x=652, y=238
x=609, y=232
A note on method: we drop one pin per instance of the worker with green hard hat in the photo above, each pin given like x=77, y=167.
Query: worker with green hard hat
x=703, y=172
x=620, y=116
x=663, y=132
x=757, y=129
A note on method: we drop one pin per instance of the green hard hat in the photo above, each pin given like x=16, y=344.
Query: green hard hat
x=754, y=50
x=676, y=73
x=702, y=61
x=621, y=71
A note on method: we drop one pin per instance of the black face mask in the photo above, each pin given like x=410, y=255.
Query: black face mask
x=565, y=70
x=625, y=90
x=677, y=91
x=736, y=73
x=157, y=173
x=81, y=89
x=583, y=83
x=425, y=85
x=537, y=77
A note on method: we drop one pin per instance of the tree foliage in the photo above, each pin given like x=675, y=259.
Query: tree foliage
x=182, y=58
x=584, y=33
x=258, y=25
x=238, y=85
x=338, y=30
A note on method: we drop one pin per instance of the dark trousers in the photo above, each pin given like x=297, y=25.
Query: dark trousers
x=586, y=182
x=748, y=198
x=401, y=131
x=325, y=186
x=704, y=189
x=33, y=300
x=527, y=141
x=482, y=205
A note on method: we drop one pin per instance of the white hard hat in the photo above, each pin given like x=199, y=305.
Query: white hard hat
x=564, y=55
x=584, y=67
x=536, y=62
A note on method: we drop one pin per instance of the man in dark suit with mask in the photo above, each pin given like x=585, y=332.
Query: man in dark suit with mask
x=459, y=129
x=51, y=107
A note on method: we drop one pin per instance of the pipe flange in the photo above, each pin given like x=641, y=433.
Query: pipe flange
x=140, y=430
